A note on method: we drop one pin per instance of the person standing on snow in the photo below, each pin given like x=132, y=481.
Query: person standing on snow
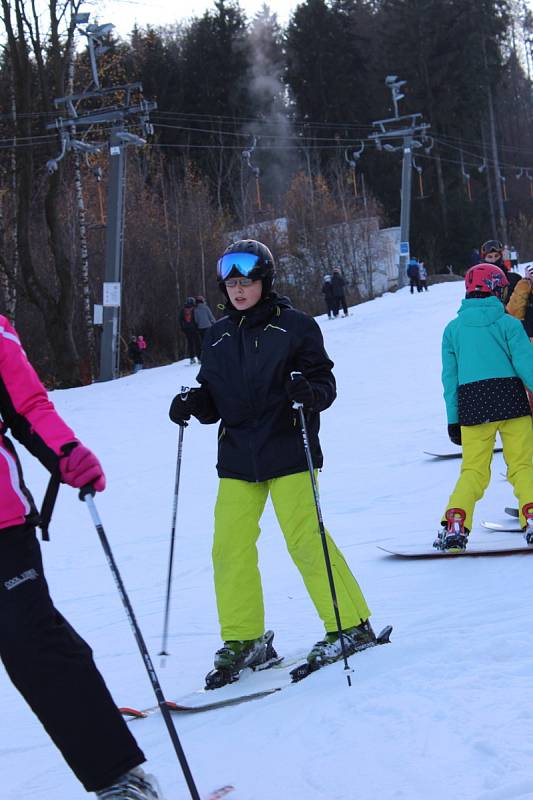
x=413, y=273
x=492, y=252
x=245, y=382
x=486, y=360
x=422, y=276
x=327, y=291
x=135, y=353
x=338, y=284
x=203, y=316
x=47, y=661
x=189, y=327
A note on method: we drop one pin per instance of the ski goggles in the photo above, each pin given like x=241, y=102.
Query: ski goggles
x=244, y=263
x=492, y=246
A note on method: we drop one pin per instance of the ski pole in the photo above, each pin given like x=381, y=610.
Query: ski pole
x=299, y=407
x=164, y=652
x=86, y=494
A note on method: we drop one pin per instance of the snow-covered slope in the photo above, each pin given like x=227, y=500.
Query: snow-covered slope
x=445, y=711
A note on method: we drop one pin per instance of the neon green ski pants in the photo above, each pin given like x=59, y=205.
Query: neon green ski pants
x=235, y=560
x=478, y=443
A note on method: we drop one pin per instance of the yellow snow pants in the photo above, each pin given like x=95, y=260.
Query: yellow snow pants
x=235, y=559
x=478, y=443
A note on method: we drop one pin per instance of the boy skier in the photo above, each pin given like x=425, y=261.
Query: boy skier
x=248, y=358
x=486, y=360
x=48, y=662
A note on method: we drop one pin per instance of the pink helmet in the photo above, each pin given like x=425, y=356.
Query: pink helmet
x=486, y=278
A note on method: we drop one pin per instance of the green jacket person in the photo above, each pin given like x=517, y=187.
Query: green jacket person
x=245, y=383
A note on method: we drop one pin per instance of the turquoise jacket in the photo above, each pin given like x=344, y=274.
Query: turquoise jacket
x=484, y=344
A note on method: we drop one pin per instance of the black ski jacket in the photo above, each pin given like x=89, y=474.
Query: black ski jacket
x=246, y=362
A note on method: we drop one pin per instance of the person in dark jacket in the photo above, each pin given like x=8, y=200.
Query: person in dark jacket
x=136, y=354
x=413, y=273
x=245, y=383
x=327, y=291
x=337, y=287
x=189, y=327
x=492, y=252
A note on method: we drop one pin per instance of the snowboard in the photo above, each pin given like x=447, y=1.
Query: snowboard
x=472, y=551
x=456, y=454
x=497, y=526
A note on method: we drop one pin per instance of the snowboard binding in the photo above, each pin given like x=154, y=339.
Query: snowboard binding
x=453, y=537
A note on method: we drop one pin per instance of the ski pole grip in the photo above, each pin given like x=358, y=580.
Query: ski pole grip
x=295, y=404
x=85, y=490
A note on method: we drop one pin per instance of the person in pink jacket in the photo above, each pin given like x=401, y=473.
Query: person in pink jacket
x=47, y=661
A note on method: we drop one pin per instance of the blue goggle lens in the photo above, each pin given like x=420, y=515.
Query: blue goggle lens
x=244, y=263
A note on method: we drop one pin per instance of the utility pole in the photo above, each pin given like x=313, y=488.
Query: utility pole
x=129, y=109
x=405, y=128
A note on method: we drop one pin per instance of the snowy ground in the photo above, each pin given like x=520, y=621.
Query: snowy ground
x=445, y=711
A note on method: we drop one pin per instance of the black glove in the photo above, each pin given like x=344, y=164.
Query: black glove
x=300, y=390
x=183, y=405
x=454, y=432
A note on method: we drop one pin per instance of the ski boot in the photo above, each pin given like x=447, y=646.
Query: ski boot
x=527, y=511
x=329, y=649
x=134, y=785
x=235, y=656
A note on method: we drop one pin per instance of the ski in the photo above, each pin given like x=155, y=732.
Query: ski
x=195, y=703
x=472, y=551
x=497, y=526
x=219, y=793
x=456, y=454
x=513, y=512
x=307, y=668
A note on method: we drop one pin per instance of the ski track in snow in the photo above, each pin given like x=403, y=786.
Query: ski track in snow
x=444, y=711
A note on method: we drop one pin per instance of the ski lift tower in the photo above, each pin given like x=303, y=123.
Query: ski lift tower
x=394, y=134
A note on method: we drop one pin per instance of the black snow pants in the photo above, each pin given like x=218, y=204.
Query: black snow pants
x=53, y=669
x=194, y=342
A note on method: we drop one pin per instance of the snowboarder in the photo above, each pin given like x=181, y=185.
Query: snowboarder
x=189, y=327
x=327, y=291
x=486, y=360
x=203, y=316
x=338, y=283
x=414, y=275
x=422, y=276
x=245, y=382
x=47, y=661
x=135, y=353
x=492, y=252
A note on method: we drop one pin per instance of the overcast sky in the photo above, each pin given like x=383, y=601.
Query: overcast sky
x=124, y=13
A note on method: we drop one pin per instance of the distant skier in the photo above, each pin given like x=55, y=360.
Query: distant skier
x=246, y=383
x=486, y=360
x=413, y=274
x=422, y=276
x=338, y=285
x=492, y=252
x=136, y=353
x=203, y=316
x=327, y=291
x=189, y=327
x=47, y=661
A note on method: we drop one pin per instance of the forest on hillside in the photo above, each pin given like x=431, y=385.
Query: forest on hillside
x=254, y=122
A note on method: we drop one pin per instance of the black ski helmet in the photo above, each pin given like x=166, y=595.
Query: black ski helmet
x=264, y=269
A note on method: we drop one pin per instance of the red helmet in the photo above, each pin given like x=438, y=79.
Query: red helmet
x=486, y=278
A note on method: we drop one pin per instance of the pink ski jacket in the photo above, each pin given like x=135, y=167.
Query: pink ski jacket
x=32, y=419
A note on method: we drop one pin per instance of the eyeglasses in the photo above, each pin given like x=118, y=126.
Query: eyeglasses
x=231, y=283
x=244, y=263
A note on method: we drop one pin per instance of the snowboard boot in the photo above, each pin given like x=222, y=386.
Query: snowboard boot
x=235, y=656
x=453, y=537
x=134, y=785
x=329, y=649
x=527, y=511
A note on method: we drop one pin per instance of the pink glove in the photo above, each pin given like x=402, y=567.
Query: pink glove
x=81, y=467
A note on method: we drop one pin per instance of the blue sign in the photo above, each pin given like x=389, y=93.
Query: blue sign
x=404, y=249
